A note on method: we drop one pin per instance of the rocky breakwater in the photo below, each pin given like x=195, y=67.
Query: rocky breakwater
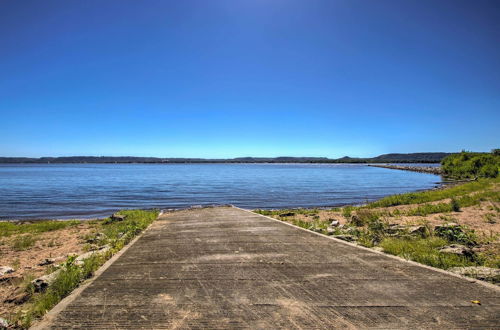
x=421, y=169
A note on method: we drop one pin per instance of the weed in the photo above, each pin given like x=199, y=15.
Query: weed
x=346, y=211
x=456, y=234
x=16, y=264
x=426, y=209
x=446, y=218
x=454, y=205
x=490, y=218
x=52, y=243
x=23, y=242
x=367, y=216
x=425, y=251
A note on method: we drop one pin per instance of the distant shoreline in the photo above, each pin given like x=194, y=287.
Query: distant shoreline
x=423, y=157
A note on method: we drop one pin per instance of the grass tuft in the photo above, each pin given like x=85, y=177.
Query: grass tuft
x=425, y=251
x=23, y=242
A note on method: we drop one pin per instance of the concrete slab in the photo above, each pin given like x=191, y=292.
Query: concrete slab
x=229, y=268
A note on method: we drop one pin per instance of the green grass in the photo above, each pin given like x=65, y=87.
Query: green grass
x=347, y=211
x=117, y=235
x=436, y=195
x=425, y=251
x=427, y=209
x=23, y=242
x=11, y=228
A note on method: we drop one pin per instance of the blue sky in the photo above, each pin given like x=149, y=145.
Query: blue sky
x=248, y=78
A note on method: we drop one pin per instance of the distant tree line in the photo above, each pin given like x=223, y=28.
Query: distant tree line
x=424, y=157
x=472, y=165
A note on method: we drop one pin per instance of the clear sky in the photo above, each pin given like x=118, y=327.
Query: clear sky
x=234, y=78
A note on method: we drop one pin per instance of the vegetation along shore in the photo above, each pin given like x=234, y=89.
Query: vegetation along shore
x=43, y=261
x=456, y=228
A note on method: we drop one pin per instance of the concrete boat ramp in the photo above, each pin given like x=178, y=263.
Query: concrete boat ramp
x=229, y=268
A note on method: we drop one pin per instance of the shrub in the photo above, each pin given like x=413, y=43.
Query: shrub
x=471, y=165
x=456, y=234
x=455, y=207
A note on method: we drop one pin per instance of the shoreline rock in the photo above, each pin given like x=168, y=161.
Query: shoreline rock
x=478, y=272
x=420, y=169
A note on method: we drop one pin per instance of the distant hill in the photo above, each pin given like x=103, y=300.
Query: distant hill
x=421, y=157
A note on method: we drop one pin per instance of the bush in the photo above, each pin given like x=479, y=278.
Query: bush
x=468, y=165
x=456, y=234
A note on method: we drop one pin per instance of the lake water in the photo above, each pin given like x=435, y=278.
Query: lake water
x=96, y=190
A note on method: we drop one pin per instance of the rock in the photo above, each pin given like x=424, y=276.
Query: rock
x=417, y=231
x=394, y=229
x=97, y=238
x=378, y=248
x=355, y=220
x=6, y=270
x=351, y=230
x=457, y=249
x=47, y=261
x=118, y=217
x=288, y=214
x=446, y=226
x=81, y=258
x=104, y=249
x=330, y=230
x=348, y=238
x=79, y=261
x=20, y=296
x=478, y=272
x=9, y=278
x=335, y=223
x=93, y=247
x=41, y=283
x=4, y=324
